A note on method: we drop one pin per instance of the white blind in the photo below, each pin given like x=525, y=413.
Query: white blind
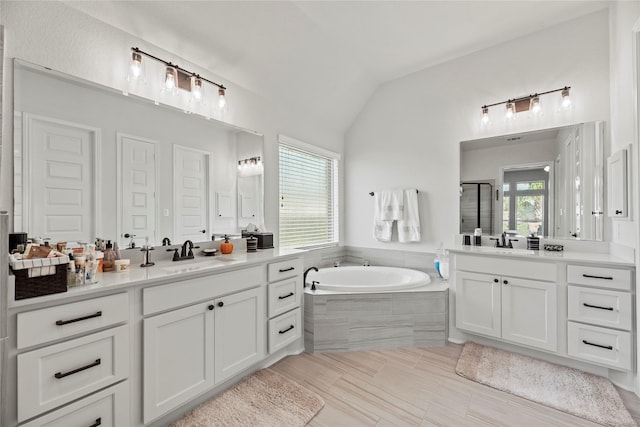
x=308, y=198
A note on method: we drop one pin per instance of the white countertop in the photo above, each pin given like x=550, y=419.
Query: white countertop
x=161, y=272
x=542, y=255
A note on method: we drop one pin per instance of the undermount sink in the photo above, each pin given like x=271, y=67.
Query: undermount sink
x=184, y=266
x=505, y=250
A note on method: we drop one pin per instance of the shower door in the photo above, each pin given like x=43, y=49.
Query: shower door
x=476, y=207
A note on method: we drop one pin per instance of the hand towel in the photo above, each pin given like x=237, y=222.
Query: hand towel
x=409, y=224
x=388, y=207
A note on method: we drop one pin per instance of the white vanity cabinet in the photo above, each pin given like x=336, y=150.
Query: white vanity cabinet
x=80, y=357
x=284, y=299
x=494, y=298
x=600, y=315
x=188, y=350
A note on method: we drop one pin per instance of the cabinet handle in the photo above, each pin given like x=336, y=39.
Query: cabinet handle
x=284, y=270
x=589, y=276
x=618, y=212
x=290, y=294
x=90, y=316
x=284, y=331
x=210, y=307
x=59, y=375
x=97, y=423
x=495, y=280
x=506, y=282
x=220, y=304
x=596, y=306
x=606, y=347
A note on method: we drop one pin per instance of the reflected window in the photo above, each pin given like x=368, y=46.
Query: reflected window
x=525, y=207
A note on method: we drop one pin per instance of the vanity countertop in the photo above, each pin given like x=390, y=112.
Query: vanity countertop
x=542, y=255
x=162, y=272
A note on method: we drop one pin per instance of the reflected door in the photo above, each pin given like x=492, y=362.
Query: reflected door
x=138, y=188
x=191, y=194
x=60, y=201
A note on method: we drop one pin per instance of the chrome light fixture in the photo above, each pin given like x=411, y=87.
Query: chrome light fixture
x=176, y=78
x=527, y=103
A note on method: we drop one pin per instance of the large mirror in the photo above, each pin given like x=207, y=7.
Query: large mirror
x=90, y=162
x=547, y=183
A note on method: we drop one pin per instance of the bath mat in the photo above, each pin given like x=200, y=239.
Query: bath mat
x=569, y=390
x=266, y=399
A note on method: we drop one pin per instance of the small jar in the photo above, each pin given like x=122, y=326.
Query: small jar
x=122, y=265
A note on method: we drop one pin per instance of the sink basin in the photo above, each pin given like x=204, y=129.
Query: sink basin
x=183, y=267
x=505, y=250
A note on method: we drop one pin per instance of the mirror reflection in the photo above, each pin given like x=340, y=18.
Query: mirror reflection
x=90, y=162
x=546, y=183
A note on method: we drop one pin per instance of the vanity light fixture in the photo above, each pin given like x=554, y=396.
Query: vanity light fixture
x=526, y=103
x=250, y=166
x=175, y=78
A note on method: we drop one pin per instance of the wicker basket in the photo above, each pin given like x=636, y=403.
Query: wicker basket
x=29, y=287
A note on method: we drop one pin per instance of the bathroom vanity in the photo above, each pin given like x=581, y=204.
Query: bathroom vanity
x=143, y=347
x=577, y=306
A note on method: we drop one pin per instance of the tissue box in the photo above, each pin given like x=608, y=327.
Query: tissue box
x=265, y=240
x=39, y=276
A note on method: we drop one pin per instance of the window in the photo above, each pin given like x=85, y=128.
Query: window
x=525, y=201
x=308, y=195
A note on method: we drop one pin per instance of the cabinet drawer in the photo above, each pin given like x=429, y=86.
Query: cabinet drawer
x=283, y=269
x=603, y=346
x=612, y=278
x=63, y=321
x=166, y=297
x=600, y=307
x=284, y=295
x=60, y=373
x=107, y=408
x=284, y=330
x=506, y=267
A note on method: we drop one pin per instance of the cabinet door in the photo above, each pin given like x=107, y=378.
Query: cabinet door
x=478, y=303
x=529, y=312
x=178, y=357
x=617, y=188
x=240, y=328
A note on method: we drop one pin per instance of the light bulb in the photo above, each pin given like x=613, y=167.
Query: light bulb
x=485, y=115
x=136, y=68
x=170, y=79
x=197, y=91
x=222, y=101
x=535, y=106
x=511, y=111
x=566, y=98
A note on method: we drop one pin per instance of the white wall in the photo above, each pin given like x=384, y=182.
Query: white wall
x=52, y=34
x=408, y=134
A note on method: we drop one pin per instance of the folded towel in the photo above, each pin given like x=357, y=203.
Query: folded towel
x=388, y=207
x=409, y=224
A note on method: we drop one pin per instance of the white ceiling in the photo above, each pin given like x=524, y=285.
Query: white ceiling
x=326, y=58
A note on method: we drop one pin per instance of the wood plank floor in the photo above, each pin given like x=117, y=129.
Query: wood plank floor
x=415, y=387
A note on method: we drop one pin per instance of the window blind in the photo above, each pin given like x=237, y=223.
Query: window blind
x=308, y=198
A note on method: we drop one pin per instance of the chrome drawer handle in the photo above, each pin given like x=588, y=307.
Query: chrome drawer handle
x=606, y=347
x=97, y=423
x=596, y=306
x=284, y=270
x=286, y=330
x=589, y=276
x=286, y=296
x=90, y=316
x=59, y=375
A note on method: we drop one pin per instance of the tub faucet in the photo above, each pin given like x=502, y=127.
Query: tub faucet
x=304, y=276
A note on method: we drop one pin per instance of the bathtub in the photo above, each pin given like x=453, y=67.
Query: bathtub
x=371, y=308
x=359, y=279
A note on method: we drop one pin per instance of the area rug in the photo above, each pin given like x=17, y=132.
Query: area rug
x=266, y=399
x=569, y=390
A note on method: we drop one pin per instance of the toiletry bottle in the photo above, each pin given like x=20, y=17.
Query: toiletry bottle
x=438, y=260
x=71, y=272
x=109, y=257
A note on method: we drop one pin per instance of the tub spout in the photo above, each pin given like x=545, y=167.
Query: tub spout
x=304, y=276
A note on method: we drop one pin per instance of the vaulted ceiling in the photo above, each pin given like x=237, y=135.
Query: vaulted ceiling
x=326, y=58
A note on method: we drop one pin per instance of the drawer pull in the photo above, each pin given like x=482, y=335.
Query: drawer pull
x=284, y=331
x=596, y=306
x=78, y=319
x=59, y=375
x=284, y=270
x=607, y=347
x=589, y=276
x=290, y=294
x=97, y=423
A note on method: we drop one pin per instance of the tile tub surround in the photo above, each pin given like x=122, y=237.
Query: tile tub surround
x=348, y=322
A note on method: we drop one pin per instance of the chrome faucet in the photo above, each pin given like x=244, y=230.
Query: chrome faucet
x=304, y=276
